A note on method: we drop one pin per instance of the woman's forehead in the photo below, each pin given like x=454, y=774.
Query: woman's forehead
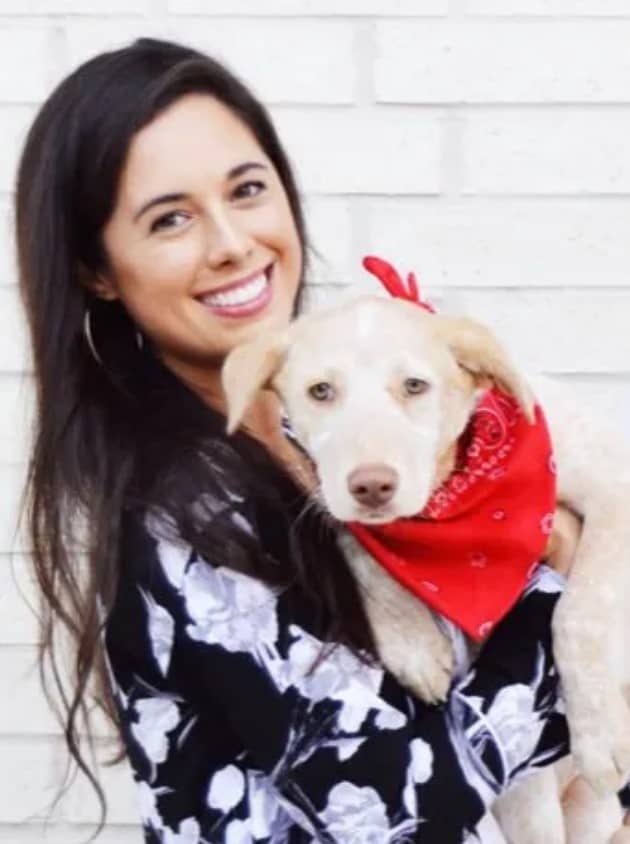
x=195, y=140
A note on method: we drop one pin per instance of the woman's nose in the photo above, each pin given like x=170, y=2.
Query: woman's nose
x=226, y=241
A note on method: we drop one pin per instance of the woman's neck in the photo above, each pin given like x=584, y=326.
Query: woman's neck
x=263, y=419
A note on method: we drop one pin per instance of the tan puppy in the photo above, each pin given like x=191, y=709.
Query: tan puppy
x=380, y=382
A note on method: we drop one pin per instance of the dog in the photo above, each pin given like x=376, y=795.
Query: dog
x=379, y=392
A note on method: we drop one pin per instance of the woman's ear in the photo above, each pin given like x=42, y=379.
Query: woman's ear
x=98, y=284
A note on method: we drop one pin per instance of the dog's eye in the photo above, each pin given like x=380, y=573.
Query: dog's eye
x=322, y=391
x=415, y=386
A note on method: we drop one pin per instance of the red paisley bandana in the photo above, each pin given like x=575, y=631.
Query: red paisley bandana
x=471, y=551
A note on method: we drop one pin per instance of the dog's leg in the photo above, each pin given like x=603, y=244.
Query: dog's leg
x=487, y=832
x=589, y=818
x=594, y=480
x=586, y=618
x=622, y=836
x=530, y=812
x=408, y=640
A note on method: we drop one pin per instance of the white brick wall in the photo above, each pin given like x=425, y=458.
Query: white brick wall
x=572, y=151
x=484, y=62
x=559, y=8
x=482, y=142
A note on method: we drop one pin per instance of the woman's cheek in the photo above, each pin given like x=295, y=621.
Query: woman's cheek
x=273, y=224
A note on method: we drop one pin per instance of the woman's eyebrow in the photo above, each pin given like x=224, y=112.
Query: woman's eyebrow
x=241, y=169
x=164, y=199
x=159, y=200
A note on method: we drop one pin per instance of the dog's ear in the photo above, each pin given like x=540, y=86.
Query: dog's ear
x=247, y=369
x=478, y=351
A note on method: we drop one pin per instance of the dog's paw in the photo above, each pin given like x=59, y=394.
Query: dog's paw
x=530, y=811
x=427, y=672
x=597, y=712
x=536, y=831
x=601, y=749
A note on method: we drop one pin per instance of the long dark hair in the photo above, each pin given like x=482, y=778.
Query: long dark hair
x=127, y=434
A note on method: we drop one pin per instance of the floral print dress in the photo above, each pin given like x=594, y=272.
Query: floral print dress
x=234, y=737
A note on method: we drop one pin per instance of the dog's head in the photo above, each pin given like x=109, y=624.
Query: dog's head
x=378, y=391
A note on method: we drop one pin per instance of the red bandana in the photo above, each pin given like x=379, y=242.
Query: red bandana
x=470, y=552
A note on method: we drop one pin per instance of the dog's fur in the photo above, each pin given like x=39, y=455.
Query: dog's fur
x=365, y=350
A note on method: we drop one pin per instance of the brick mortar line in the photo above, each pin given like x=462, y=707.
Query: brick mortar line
x=347, y=18
x=20, y=646
x=490, y=200
x=532, y=18
x=613, y=106
x=506, y=288
x=584, y=196
x=364, y=47
x=195, y=17
x=452, y=168
x=457, y=14
x=70, y=17
x=105, y=741
x=52, y=738
x=48, y=826
x=509, y=105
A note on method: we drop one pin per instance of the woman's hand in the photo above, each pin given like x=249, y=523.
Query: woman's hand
x=564, y=539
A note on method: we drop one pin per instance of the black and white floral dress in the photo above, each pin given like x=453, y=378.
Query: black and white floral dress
x=234, y=740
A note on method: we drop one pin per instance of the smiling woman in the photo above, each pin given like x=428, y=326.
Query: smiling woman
x=159, y=226
x=203, y=248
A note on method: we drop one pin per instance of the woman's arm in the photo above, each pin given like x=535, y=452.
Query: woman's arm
x=342, y=746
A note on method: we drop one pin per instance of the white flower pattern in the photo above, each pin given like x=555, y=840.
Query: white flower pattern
x=513, y=721
x=156, y=718
x=341, y=676
x=356, y=815
x=227, y=788
x=229, y=608
x=267, y=816
x=238, y=832
x=147, y=801
x=161, y=628
x=188, y=833
x=421, y=761
x=274, y=744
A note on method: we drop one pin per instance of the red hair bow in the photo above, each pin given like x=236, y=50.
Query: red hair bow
x=394, y=284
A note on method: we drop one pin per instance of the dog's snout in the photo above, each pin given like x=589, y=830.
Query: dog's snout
x=373, y=485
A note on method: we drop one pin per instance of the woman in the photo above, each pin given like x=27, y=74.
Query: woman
x=158, y=226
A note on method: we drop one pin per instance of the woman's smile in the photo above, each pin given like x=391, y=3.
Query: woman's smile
x=245, y=297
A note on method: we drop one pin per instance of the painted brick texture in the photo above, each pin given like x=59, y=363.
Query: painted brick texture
x=482, y=142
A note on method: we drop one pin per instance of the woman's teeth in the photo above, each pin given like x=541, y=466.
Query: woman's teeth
x=239, y=296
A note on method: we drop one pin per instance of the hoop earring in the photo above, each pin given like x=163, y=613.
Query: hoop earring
x=89, y=339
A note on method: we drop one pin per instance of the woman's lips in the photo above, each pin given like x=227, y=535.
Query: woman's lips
x=243, y=299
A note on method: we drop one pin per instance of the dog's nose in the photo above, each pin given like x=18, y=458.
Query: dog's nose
x=373, y=485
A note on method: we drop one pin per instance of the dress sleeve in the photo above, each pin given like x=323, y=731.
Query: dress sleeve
x=346, y=751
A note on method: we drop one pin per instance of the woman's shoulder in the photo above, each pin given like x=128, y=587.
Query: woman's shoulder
x=166, y=584
x=211, y=523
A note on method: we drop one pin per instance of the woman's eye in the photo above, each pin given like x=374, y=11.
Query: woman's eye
x=172, y=220
x=322, y=391
x=248, y=190
x=415, y=386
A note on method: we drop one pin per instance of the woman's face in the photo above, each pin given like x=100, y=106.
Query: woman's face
x=202, y=245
